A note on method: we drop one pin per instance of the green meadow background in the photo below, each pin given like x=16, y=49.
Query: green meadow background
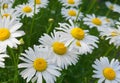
x=35, y=27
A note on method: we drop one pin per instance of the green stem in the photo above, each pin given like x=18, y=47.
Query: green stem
x=32, y=24
x=13, y=57
x=91, y=6
x=108, y=51
x=78, y=14
x=49, y=28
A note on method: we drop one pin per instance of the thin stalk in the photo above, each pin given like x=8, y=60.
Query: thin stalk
x=91, y=6
x=78, y=14
x=32, y=24
x=49, y=28
x=109, y=50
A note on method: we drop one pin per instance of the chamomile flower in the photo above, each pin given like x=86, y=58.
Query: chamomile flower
x=78, y=39
x=61, y=53
x=2, y=56
x=9, y=32
x=38, y=65
x=107, y=71
x=113, y=7
x=40, y=3
x=71, y=3
x=113, y=34
x=94, y=21
x=71, y=13
x=110, y=22
x=26, y=10
x=10, y=12
x=6, y=4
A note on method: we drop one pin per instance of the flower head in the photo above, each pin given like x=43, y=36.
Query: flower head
x=61, y=53
x=71, y=3
x=113, y=34
x=9, y=12
x=106, y=71
x=26, y=10
x=78, y=39
x=40, y=3
x=71, y=13
x=94, y=21
x=9, y=32
x=38, y=65
x=113, y=7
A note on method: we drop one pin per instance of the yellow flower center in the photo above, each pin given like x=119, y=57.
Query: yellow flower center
x=40, y=64
x=6, y=15
x=109, y=73
x=5, y=5
x=38, y=1
x=96, y=21
x=71, y=1
x=4, y=34
x=59, y=48
x=72, y=12
x=114, y=33
x=77, y=33
x=108, y=20
x=78, y=43
x=111, y=7
x=27, y=9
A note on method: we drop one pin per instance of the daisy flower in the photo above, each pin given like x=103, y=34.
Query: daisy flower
x=78, y=39
x=26, y=10
x=61, y=53
x=94, y=21
x=113, y=7
x=71, y=13
x=107, y=71
x=38, y=65
x=9, y=32
x=6, y=3
x=10, y=12
x=71, y=3
x=113, y=34
x=110, y=22
x=2, y=56
x=40, y=3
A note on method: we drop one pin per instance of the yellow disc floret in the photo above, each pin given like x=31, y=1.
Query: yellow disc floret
x=72, y=12
x=5, y=6
x=78, y=33
x=96, y=21
x=6, y=15
x=78, y=43
x=40, y=64
x=59, y=48
x=114, y=33
x=109, y=73
x=108, y=20
x=27, y=9
x=38, y=1
x=71, y=1
x=111, y=7
x=4, y=34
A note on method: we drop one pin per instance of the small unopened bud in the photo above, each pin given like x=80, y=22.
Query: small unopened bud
x=102, y=37
x=21, y=41
x=51, y=20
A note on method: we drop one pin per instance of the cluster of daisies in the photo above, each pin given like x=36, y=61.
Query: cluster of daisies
x=70, y=9
x=63, y=47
